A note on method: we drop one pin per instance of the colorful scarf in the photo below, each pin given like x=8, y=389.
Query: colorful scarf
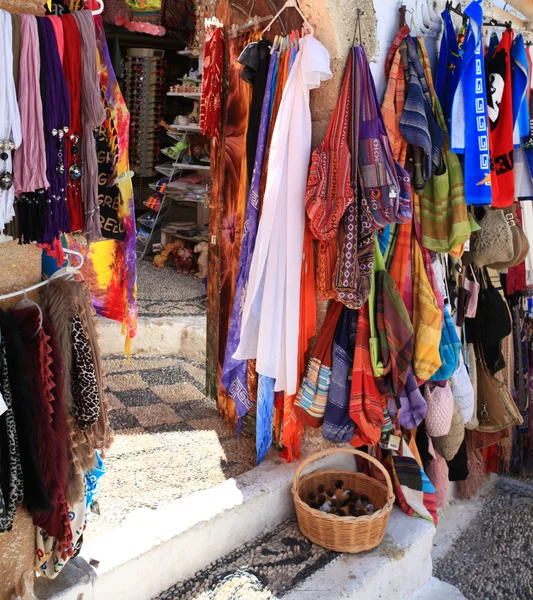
x=418, y=124
x=500, y=112
x=264, y=416
x=366, y=403
x=444, y=221
x=469, y=120
x=391, y=342
x=329, y=190
x=110, y=265
x=234, y=371
x=392, y=108
x=338, y=427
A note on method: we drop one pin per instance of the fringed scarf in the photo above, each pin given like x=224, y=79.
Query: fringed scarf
x=234, y=371
x=93, y=115
x=29, y=162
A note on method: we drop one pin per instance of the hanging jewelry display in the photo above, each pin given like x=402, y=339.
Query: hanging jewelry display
x=6, y=179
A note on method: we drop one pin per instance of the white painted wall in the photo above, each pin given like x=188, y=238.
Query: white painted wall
x=387, y=28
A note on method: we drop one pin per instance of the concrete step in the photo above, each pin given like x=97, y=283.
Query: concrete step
x=169, y=336
x=435, y=589
x=154, y=549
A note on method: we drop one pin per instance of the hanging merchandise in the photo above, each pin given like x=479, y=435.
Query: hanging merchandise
x=213, y=72
x=469, y=119
x=270, y=321
x=500, y=113
x=10, y=122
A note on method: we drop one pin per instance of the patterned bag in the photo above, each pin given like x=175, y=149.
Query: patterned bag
x=413, y=489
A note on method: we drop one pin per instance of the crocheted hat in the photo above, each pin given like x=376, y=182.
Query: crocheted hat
x=462, y=390
x=448, y=445
x=520, y=242
x=494, y=241
x=440, y=409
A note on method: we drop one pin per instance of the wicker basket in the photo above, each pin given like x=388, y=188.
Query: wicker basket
x=343, y=534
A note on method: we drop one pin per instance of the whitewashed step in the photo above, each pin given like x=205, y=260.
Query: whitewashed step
x=399, y=567
x=169, y=336
x=435, y=589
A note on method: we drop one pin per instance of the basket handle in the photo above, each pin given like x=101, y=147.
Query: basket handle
x=352, y=451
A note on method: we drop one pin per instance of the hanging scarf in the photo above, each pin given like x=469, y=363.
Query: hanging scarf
x=383, y=178
x=11, y=478
x=418, y=124
x=93, y=115
x=264, y=416
x=391, y=342
x=29, y=162
x=51, y=427
x=354, y=269
x=449, y=66
x=500, y=112
x=338, y=427
x=469, y=120
x=59, y=35
x=56, y=111
x=110, y=266
x=10, y=123
x=313, y=393
x=72, y=69
x=366, y=403
x=213, y=73
x=444, y=221
x=392, y=108
x=427, y=318
x=235, y=372
x=329, y=189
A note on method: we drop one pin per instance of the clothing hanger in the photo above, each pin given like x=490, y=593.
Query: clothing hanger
x=60, y=273
x=100, y=9
x=289, y=4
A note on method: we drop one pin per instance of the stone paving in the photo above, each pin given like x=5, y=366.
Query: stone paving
x=492, y=559
x=170, y=440
x=266, y=568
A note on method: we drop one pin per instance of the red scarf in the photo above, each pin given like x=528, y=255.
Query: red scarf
x=72, y=71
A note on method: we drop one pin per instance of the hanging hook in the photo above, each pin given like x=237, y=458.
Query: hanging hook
x=357, y=26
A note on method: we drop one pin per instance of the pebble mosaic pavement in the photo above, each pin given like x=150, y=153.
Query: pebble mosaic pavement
x=170, y=440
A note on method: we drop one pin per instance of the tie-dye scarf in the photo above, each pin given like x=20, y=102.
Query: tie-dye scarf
x=110, y=265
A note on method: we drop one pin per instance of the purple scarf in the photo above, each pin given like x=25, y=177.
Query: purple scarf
x=56, y=112
x=235, y=372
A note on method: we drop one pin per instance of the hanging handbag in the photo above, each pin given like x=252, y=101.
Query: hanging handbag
x=496, y=407
x=440, y=409
x=494, y=241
